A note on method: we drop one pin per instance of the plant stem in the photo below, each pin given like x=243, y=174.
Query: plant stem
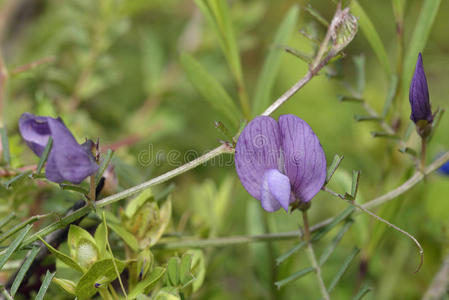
x=423, y=153
x=312, y=257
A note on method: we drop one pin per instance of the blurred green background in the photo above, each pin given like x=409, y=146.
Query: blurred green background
x=115, y=73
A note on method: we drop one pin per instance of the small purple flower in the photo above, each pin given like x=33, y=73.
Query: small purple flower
x=419, y=96
x=67, y=160
x=280, y=163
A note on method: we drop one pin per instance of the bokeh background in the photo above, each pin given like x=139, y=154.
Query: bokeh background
x=116, y=74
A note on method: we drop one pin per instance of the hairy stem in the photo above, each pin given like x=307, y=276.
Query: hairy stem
x=312, y=257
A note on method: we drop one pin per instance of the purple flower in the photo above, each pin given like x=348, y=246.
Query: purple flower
x=67, y=160
x=280, y=163
x=419, y=96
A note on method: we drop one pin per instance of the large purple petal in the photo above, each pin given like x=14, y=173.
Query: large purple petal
x=275, y=191
x=35, y=131
x=305, y=162
x=72, y=162
x=419, y=95
x=257, y=150
x=51, y=169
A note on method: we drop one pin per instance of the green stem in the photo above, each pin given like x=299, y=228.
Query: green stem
x=312, y=257
x=423, y=153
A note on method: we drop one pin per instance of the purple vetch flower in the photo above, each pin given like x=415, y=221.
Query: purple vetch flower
x=280, y=163
x=67, y=160
x=419, y=96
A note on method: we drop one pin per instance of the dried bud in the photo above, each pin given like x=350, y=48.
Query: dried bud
x=343, y=29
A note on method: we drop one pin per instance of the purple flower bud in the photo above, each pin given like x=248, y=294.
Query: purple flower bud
x=67, y=159
x=419, y=96
x=280, y=163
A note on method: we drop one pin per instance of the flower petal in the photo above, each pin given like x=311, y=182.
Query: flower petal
x=51, y=169
x=35, y=131
x=72, y=162
x=257, y=150
x=305, y=162
x=419, y=94
x=275, y=191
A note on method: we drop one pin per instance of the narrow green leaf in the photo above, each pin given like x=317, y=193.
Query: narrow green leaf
x=409, y=151
x=45, y=284
x=384, y=135
x=419, y=38
x=126, y=236
x=293, y=277
x=436, y=123
x=334, y=243
x=363, y=291
x=408, y=131
x=14, y=245
x=371, y=35
x=272, y=63
x=16, y=179
x=68, y=285
x=5, y=145
x=173, y=271
x=100, y=239
x=63, y=257
x=355, y=183
x=344, y=98
x=359, y=62
x=7, y=219
x=74, y=188
x=210, y=89
x=44, y=156
x=333, y=167
x=343, y=269
x=18, y=227
x=314, y=13
x=145, y=284
x=343, y=215
x=398, y=9
x=290, y=252
x=104, y=164
x=393, y=86
x=23, y=269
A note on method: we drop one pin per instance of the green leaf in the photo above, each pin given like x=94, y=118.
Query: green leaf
x=355, y=183
x=16, y=179
x=173, y=271
x=74, y=188
x=7, y=219
x=63, y=257
x=371, y=35
x=290, y=252
x=104, y=164
x=272, y=63
x=184, y=269
x=101, y=272
x=333, y=167
x=363, y=291
x=334, y=243
x=68, y=285
x=293, y=277
x=359, y=62
x=14, y=245
x=145, y=284
x=137, y=202
x=419, y=38
x=75, y=236
x=5, y=145
x=23, y=269
x=126, y=236
x=210, y=89
x=45, y=284
x=343, y=269
x=82, y=245
x=100, y=239
x=44, y=156
x=198, y=268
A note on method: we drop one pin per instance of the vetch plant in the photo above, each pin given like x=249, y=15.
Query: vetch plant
x=280, y=163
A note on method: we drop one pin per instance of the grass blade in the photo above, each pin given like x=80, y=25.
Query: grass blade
x=45, y=284
x=210, y=89
x=7, y=219
x=23, y=269
x=343, y=269
x=419, y=38
x=14, y=245
x=273, y=61
x=371, y=35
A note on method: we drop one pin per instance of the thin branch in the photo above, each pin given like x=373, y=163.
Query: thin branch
x=421, y=251
x=32, y=65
